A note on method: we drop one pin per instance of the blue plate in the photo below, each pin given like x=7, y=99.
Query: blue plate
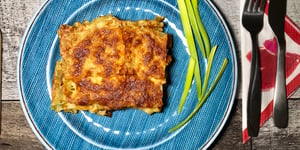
x=128, y=129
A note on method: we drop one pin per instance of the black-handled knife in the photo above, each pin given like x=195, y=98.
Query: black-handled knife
x=277, y=13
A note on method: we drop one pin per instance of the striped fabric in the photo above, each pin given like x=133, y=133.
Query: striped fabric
x=268, y=56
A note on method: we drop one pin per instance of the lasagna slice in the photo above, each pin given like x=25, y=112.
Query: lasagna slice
x=110, y=64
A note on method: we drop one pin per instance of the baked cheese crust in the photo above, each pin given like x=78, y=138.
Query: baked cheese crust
x=110, y=64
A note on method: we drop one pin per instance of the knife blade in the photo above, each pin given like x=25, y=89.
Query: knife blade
x=277, y=13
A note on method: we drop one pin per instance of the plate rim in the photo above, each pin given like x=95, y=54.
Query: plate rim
x=28, y=116
x=235, y=78
x=207, y=143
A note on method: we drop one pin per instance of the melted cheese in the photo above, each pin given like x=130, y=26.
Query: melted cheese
x=110, y=64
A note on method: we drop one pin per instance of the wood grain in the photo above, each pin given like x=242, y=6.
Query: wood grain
x=14, y=19
x=13, y=27
x=16, y=133
x=230, y=10
x=270, y=137
x=275, y=138
x=231, y=135
x=0, y=74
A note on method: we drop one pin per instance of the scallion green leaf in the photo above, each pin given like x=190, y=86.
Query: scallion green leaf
x=209, y=64
x=187, y=85
x=191, y=43
x=201, y=27
x=195, y=28
x=200, y=103
x=192, y=25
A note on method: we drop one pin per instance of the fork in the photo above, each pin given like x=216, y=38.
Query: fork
x=252, y=20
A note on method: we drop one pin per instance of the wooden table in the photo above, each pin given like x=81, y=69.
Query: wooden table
x=16, y=133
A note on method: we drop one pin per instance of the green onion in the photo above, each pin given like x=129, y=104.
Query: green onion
x=192, y=25
x=201, y=27
x=191, y=43
x=195, y=28
x=207, y=73
x=195, y=4
x=198, y=80
x=187, y=85
x=200, y=103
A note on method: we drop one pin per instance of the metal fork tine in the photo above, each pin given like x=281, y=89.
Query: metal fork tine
x=262, y=5
x=246, y=5
x=257, y=2
x=251, y=5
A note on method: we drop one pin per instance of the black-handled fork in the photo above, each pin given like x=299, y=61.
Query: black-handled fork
x=252, y=20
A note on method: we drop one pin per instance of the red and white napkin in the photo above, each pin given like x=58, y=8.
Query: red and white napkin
x=268, y=56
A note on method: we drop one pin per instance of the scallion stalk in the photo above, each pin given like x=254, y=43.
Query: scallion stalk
x=187, y=85
x=201, y=27
x=209, y=64
x=200, y=103
x=191, y=43
x=195, y=28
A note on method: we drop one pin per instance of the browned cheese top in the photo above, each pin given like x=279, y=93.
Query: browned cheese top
x=114, y=63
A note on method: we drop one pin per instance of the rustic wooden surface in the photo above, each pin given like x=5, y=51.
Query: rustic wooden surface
x=16, y=133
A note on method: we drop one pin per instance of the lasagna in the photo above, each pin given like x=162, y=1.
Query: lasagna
x=111, y=64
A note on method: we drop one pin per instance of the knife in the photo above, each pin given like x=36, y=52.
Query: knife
x=277, y=12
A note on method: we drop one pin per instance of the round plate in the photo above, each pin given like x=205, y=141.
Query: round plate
x=128, y=129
